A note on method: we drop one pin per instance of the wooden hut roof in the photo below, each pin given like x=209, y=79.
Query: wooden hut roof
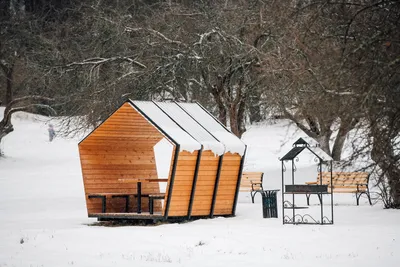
x=192, y=127
x=153, y=112
x=231, y=142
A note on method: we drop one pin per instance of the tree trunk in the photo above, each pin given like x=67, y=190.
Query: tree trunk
x=222, y=113
x=323, y=141
x=241, y=118
x=8, y=73
x=394, y=183
x=339, y=143
x=384, y=156
x=236, y=115
x=9, y=85
x=392, y=173
x=345, y=127
x=5, y=128
x=254, y=108
x=4, y=8
x=233, y=121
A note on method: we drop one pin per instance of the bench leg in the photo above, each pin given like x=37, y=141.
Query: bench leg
x=358, y=198
x=358, y=195
x=103, y=202
x=127, y=204
x=308, y=199
x=253, y=194
x=139, y=197
x=151, y=205
x=320, y=198
x=252, y=197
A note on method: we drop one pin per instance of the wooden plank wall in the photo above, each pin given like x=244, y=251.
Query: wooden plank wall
x=227, y=184
x=183, y=182
x=205, y=184
x=120, y=148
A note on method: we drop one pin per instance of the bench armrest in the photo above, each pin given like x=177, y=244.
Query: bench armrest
x=362, y=184
x=314, y=182
x=252, y=187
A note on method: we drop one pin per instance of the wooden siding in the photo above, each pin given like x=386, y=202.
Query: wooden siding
x=205, y=184
x=119, y=150
x=227, y=184
x=183, y=182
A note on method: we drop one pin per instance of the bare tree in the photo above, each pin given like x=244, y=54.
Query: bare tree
x=204, y=55
x=24, y=54
x=368, y=36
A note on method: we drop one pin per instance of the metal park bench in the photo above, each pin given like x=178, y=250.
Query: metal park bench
x=252, y=182
x=344, y=182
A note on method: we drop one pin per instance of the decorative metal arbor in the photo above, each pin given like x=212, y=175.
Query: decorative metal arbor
x=292, y=216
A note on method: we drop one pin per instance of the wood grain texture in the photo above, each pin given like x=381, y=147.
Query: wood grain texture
x=227, y=184
x=344, y=182
x=182, y=184
x=205, y=184
x=121, y=147
x=250, y=181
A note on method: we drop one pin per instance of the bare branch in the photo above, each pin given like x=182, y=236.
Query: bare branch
x=8, y=112
x=28, y=98
x=299, y=124
x=157, y=33
x=98, y=61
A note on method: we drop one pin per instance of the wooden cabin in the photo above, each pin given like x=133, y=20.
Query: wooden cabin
x=160, y=161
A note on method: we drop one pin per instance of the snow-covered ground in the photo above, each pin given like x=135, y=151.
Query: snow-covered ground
x=43, y=219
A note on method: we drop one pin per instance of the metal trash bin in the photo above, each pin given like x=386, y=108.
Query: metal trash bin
x=269, y=204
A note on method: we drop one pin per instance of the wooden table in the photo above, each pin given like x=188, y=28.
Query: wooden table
x=139, y=194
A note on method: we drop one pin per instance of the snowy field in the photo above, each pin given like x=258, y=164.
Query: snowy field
x=43, y=220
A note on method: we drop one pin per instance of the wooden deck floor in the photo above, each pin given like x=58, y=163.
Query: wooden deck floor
x=143, y=216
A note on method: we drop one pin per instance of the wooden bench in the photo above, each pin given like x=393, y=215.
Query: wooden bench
x=151, y=200
x=344, y=182
x=103, y=197
x=252, y=182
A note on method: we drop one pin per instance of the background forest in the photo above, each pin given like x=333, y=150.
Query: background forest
x=331, y=67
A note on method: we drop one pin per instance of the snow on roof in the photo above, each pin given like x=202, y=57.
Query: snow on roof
x=232, y=143
x=322, y=154
x=315, y=147
x=192, y=127
x=311, y=141
x=185, y=141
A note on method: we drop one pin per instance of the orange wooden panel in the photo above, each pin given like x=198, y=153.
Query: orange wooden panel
x=121, y=173
x=182, y=183
x=121, y=147
x=227, y=184
x=205, y=183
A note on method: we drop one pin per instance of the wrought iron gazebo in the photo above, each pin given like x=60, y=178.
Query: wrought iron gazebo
x=291, y=189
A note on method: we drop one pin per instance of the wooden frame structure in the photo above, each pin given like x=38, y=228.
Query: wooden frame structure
x=145, y=146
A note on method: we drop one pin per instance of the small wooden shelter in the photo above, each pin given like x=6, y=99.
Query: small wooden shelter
x=157, y=160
